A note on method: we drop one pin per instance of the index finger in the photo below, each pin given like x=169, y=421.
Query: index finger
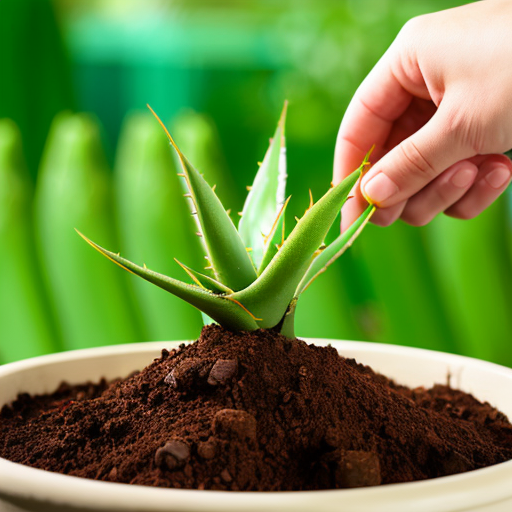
x=378, y=102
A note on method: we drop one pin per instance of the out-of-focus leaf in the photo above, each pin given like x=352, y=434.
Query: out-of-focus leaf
x=26, y=323
x=406, y=307
x=472, y=271
x=91, y=300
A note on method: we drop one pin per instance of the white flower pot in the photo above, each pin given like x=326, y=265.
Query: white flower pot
x=485, y=490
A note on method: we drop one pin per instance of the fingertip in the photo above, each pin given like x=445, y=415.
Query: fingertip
x=494, y=176
x=498, y=177
x=463, y=174
x=379, y=188
x=347, y=158
x=440, y=194
x=495, y=172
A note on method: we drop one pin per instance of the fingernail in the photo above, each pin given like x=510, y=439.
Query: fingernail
x=464, y=177
x=498, y=177
x=380, y=188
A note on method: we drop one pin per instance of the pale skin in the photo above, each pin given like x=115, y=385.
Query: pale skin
x=438, y=108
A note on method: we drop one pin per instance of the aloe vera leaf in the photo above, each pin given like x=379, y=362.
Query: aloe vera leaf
x=406, y=298
x=269, y=296
x=91, y=300
x=275, y=238
x=266, y=195
x=204, y=281
x=154, y=225
x=200, y=141
x=222, y=309
x=26, y=323
x=335, y=249
x=320, y=307
x=330, y=309
x=472, y=270
x=288, y=323
x=227, y=253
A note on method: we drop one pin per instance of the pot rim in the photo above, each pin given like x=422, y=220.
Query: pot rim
x=462, y=490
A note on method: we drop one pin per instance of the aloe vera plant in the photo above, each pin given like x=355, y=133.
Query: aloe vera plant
x=255, y=274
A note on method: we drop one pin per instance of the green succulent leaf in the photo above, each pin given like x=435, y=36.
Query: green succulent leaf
x=335, y=249
x=269, y=296
x=266, y=196
x=204, y=281
x=321, y=262
x=223, y=309
x=275, y=239
x=288, y=321
x=226, y=251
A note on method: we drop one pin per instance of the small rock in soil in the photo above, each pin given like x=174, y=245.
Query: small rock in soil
x=226, y=476
x=235, y=423
x=185, y=374
x=223, y=370
x=333, y=437
x=207, y=449
x=358, y=469
x=287, y=397
x=173, y=455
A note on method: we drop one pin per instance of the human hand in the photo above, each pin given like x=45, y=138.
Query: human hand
x=438, y=107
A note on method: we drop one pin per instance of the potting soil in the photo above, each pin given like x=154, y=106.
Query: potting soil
x=257, y=412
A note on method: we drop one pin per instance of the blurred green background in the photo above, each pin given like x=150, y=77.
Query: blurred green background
x=78, y=149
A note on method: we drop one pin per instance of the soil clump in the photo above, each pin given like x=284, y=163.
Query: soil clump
x=258, y=412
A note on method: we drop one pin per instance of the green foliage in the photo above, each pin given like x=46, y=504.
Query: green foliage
x=26, y=326
x=74, y=190
x=473, y=273
x=225, y=250
x=243, y=293
x=406, y=300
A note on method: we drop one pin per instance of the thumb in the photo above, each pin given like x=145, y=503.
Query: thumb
x=415, y=162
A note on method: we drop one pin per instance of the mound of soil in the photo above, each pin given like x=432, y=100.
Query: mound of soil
x=254, y=411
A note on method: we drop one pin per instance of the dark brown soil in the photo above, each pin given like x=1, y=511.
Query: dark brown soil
x=254, y=412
